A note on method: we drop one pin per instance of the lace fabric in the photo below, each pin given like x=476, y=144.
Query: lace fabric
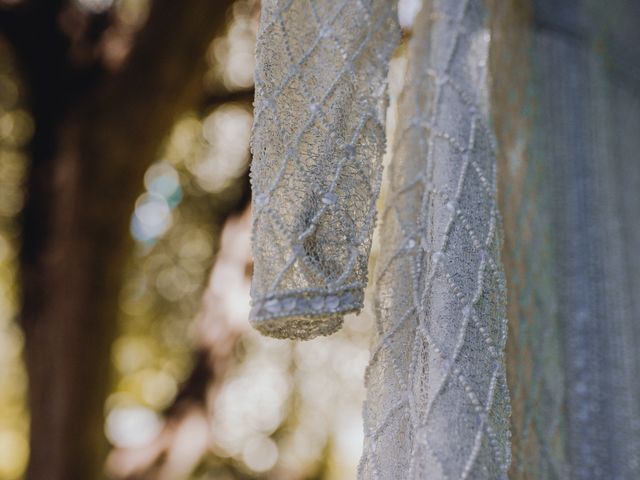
x=318, y=141
x=558, y=83
x=437, y=403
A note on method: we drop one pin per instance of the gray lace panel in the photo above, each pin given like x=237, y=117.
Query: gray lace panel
x=437, y=399
x=318, y=140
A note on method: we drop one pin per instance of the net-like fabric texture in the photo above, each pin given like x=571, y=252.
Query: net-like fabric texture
x=437, y=400
x=318, y=141
x=559, y=83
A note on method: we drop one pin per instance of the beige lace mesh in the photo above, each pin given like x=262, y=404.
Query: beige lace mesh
x=318, y=141
x=437, y=404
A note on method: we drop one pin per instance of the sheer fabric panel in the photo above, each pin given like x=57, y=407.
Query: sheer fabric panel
x=437, y=401
x=318, y=141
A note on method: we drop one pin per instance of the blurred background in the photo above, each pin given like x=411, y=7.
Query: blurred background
x=125, y=263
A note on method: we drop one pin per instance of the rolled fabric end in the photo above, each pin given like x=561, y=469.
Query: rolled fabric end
x=304, y=315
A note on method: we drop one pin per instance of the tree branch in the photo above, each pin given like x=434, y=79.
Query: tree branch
x=213, y=100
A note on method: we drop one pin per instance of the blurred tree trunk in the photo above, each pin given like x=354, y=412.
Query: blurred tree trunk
x=96, y=131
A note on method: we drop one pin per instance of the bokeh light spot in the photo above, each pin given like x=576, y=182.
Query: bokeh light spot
x=260, y=453
x=152, y=217
x=132, y=426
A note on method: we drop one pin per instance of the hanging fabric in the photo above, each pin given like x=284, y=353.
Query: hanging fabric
x=437, y=399
x=515, y=164
x=318, y=141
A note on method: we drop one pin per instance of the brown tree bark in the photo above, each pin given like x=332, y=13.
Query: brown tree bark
x=96, y=133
